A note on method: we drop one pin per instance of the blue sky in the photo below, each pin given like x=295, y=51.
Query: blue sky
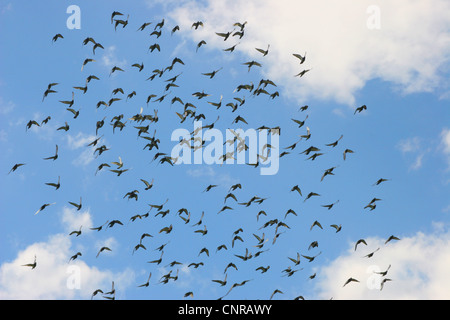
x=400, y=73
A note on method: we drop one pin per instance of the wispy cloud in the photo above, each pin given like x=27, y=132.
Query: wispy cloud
x=81, y=140
x=445, y=144
x=223, y=179
x=73, y=220
x=6, y=107
x=110, y=59
x=414, y=147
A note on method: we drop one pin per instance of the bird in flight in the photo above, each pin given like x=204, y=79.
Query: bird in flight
x=44, y=206
x=381, y=180
x=53, y=157
x=15, y=167
x=350, y=280
x=360, y=109
x=57, y=36
x=76, y=205
x=300, y=57
x=31, y=265
x=55, y=185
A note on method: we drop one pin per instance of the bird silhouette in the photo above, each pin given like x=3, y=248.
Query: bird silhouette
x=76, y=205
x=55, y=185
x=31, y=265
x=15, y=167
x=53, y=157
x=349, y=280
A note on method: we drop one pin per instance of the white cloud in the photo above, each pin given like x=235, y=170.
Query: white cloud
x=79, y=141
x=342, y=51
x=6, y=107
x=445, y=143
x=110, y=59
x=413, y=146
x=419, y=270
x=3, y=135
x=409, y=145
x=54, y=277
x=72, y=220
x=222, y=179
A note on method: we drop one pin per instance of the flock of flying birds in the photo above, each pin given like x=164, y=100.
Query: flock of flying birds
x=144, y=123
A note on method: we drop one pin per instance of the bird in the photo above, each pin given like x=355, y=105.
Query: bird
x=359, y=242
x=114, y=69
x=380, y=181
x=103, y=249
x=302, y=73
x=143, y=26
x=31, y=265
x=360, y=109
x=329, y=206
x=299, y=122
x=296, y=261
x=76, y=232
x=201, y=43
x=383, y=282
x=76, y=205
x=311, y=259
x=337, y=227
x=300, y=57
x=57, y=36
x=65, y=127
x=124, y=23
x=208, y=188
x=204, y=250
x=139, y=246
x=263, y=269
x=311, y=194
x=328, y=172
x=115, y=13
x=148, y=185
x=212, y=73
x=224, y=35
x=166, y=230
x=251, y=64
x=350, y=280
x=96, y=45
x=86, y=61
x=15, y=167
x=383, y=273
x=147, y=283
x=75, y=256
x=175, y=29
x=221, y=282
x=347, y=151
x=370, y=255
x=316, y=223
x=49, y=90
x=75, y=113
x=53, y=157
x=154, y=47
x=112, y=223
x=44, y=206
x=391, y=238
x=197, y=24
x=264, y=52
x=334, y=144
x=274, y=292
x=55, y=185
